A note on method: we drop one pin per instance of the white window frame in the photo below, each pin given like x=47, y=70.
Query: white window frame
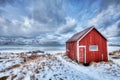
x=93, y=49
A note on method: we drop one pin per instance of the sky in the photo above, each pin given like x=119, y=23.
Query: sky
x=57, y=20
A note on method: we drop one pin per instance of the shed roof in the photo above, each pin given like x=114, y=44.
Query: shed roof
x=79, y=35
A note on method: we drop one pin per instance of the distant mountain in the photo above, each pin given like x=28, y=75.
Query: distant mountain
x=114, y=45
x=27, y=41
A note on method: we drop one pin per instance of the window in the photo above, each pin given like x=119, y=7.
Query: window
x=93, y=47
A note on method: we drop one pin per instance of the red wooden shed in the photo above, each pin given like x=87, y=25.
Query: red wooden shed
x=87, y=46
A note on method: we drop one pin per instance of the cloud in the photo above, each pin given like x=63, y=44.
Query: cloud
x=5, y=2
x=32, y=17
x=106, y=3
x=11, y=28
x=69, y=26
x=106, y=17
x=113, y=30
x=62, y=33
x=49, y=13
x=45, y=19
x=57, y=20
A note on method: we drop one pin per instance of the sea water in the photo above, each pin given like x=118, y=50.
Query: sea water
x=46, y=49
x=27, y=48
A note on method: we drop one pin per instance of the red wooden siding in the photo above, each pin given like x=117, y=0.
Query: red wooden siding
x=94, y=38
x=79, y=50
x=71, y=50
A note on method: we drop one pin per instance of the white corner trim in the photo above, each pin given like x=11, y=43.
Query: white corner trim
x=77, y=51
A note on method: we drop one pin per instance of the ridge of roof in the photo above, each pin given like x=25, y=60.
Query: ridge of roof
x=80, y=34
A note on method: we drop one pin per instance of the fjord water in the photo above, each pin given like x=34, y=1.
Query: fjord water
x=46, y=49
x=27, y=48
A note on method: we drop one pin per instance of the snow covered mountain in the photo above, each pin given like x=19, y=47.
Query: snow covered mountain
x=27, y=41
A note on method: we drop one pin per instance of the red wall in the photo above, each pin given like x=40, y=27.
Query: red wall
x=95, y=38
x=71, y=50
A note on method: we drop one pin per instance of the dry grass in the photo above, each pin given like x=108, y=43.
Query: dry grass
x=51, y=57
x=110, y=61
x=21, y=55
x=95, y=64
x=35, y=56
x=61, y=54
x=116, y=57
x=4, y=78
x=111, y=53
x=68, y=59
x=37, y=70
x=11, y=67
x=114, y=52
x=13, y=76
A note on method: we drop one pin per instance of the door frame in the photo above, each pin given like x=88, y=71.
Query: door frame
x=78, y=58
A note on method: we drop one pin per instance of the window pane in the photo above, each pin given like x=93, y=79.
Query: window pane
x=93, y=48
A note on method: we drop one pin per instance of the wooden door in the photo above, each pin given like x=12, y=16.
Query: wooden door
x=81, y=54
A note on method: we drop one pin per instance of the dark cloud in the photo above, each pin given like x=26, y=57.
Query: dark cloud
x=32, y=17
x=119, y=25
x=112, y=18
x=1, y=12
x=67, y=29
x=68, y=26
x=56, y=20
x=108, y=14
x=6, y=2
x=49, y=12
x=105, y=3
x=113, y=31
x=118, y=30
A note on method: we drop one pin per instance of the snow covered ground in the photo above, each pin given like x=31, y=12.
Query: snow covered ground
x=55, y=67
